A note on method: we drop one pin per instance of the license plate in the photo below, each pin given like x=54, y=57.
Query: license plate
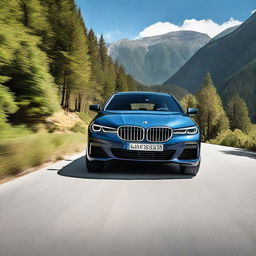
x=146, y=147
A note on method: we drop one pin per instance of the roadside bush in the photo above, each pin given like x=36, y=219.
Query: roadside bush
x=86, y=117
x=11, y=132
x=79, y=127
x=20, y=153
x=237, y=139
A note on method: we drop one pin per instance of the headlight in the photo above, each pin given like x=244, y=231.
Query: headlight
x=101, y=128
x=186, y=130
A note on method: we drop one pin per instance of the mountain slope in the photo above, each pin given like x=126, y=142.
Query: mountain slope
x=151, y=60
x=221, y=57
x=176, y=91
x=225, y=32
x=243, y=83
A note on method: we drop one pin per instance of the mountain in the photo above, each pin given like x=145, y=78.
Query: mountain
x=151, y=60
x=222, y=58
x=225, y=32
x=176, y=91
x=243, y=83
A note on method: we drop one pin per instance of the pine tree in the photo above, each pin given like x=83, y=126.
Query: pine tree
x=45, y=50
x=238, y=115
x=189, y=101
x=96, y=81
x=107, y=70
x=31, y=81
x=70, y=63
x=121, y=80
x=7, y=105
x=11, y=33
x=110, y=78
x=79, y=66
x=103, y=52
x=211, y=112
x=93, y=51
x=131, y=83
x=25, y=66
x=33, y=16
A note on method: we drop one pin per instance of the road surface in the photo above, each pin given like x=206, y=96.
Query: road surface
x=134, y=211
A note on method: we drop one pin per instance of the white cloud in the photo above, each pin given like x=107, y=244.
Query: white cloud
x=109, y=35
x=253, y=11
x=204, y=26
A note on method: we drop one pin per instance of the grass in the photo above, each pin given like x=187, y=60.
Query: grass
x=21, y=149
x=19, y=153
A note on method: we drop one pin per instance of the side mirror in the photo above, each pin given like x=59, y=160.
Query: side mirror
x=95, y=107
x=192, y=111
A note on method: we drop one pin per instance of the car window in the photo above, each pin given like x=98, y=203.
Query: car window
x=144, y=102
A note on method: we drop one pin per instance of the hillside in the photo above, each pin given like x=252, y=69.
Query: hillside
x=176, y=91
x=225, y=33
x=221, y=58
x=151, y=60
x=243, y=83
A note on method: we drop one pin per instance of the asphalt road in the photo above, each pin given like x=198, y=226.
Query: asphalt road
x=133, y=210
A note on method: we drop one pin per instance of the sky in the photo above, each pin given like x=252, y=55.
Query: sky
x=118, y=19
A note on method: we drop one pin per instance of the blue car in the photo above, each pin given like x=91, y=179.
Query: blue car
x=143, y=127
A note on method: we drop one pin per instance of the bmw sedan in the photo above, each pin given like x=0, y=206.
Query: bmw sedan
x=143, y=127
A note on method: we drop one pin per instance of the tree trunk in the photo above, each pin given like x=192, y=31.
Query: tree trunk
x=76, y=104
x=64, y=90
x=80, y=98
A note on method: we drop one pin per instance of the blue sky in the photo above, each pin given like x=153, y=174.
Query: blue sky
x=118, y=19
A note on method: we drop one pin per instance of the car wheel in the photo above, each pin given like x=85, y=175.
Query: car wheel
x=190, y=170
x=94, y=166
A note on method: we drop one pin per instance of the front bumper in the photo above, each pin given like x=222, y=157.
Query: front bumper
x=184, y=149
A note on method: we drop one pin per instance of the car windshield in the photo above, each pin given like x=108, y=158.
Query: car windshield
x=143, y=102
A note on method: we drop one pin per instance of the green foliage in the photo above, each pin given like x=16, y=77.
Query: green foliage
x=16, y=154
x=131, y=83
x=107, y=70
x=13, y=132
x=211, y=118
x=121, y=80
x=189, y=101
x=243, y=83
x=237, y=138
x=214, y=122
x=33, y=16
x=238, y=114
x=86, y=117
x=107, y=76
x=7, y=104
x=97, y=78
x=70, y=63
x=31, y=80
x=46, y=52
x=79, y=127
x=24, y=66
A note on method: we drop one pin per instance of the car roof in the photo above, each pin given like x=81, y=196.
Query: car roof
x=142, y=92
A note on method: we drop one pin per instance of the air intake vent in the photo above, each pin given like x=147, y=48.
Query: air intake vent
x=159, y=134
x=97, y=152
x=131, y=133
x=188, y=153
x=143, y=155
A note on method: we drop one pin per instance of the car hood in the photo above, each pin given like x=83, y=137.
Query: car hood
x=144, y=119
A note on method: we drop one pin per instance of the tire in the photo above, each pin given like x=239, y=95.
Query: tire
x=94, y=166
x=190, y=170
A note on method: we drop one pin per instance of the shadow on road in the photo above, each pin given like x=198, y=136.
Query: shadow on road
x=123, y=171
x=240, y=152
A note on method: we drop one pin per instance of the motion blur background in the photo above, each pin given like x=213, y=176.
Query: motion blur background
x=53, y=65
